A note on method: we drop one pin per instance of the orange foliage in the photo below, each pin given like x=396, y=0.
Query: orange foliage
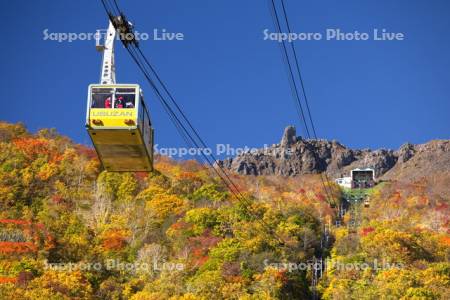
x=179, y=225
x=445, y=241
x=17, y=247
x=187, y=176
x=8, y=280
x=15, y=221
x=281, y=276
x=115, y=239
x=30, y=229
x=201, y=260
x=32, y=147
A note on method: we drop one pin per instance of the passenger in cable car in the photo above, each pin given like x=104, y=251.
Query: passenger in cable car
x=119, y=102
x=108, y=102
x=129, y=104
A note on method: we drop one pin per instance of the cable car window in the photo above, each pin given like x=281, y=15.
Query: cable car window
x=126, y=90
x=125, y=98
x=101, y=98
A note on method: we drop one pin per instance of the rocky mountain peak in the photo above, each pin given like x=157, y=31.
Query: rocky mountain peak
x=289, y=136
x=296, y=156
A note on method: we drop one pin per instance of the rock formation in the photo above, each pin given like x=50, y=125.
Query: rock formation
x=297, y=156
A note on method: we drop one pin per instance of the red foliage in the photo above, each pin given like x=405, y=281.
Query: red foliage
x=442, y=207
x=206, y=240
x=57, y=199
x=141, y=176
x=85, y=151
x=366, y=230
x=200, y=246
x=320, y=197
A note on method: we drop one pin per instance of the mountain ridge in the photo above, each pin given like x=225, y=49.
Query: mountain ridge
x=295, y=156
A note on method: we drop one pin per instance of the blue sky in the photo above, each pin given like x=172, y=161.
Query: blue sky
x=229, y=80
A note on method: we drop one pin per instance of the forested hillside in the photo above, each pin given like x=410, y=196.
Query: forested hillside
x=70, y=231
x=399, y=250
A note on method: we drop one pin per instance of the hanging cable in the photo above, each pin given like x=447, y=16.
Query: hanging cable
x=285, y=56
x=299, y=73
x=296, y=97
x=176, y=115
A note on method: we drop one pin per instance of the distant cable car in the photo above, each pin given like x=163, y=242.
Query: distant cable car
x=117, y=118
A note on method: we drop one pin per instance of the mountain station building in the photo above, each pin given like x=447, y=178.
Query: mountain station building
x=359, y=178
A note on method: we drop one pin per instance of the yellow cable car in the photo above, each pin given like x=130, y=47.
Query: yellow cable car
x=120, y=128
x=117, y=119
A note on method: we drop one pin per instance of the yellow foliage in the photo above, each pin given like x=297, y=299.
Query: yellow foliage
x=59, y=285
x=340, y=232
x=270, y=282
x=27, y=176
x=187, y=296
x=144, y=295
x=47, y=171
x=150, y=192
x=164, y=205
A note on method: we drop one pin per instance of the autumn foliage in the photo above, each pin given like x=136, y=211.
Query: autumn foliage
x=69, y=230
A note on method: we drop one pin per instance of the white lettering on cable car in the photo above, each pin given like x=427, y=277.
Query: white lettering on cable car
x=112, y=113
